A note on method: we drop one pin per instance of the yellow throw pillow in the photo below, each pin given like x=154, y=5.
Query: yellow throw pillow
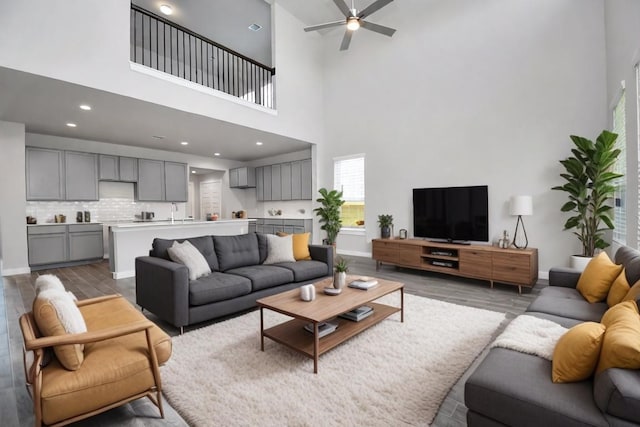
x=577, y=351
x=621, y=344
x=300, y=245
x=597, y=278
x=634, y=292
x=619, y=289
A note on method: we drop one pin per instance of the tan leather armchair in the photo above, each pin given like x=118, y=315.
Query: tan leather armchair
x=122, y=352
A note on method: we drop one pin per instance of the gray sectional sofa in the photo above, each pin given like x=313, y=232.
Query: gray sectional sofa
x=509, y=388
x=237, y=280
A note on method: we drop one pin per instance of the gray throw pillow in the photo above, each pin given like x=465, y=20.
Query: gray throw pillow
x=279, y=249
x=187, y=254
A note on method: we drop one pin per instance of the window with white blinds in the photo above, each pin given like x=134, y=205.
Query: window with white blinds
x=348, y=177
x=619, y=209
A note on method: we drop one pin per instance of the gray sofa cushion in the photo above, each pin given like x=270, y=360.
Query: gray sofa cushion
x=236, y=251
x=565, y=322
x=515, y=389
x=204, y=244
x=630, y=258
x=566, y=307
x=560, y=292
x=263, y=248
x=217, y=287
x=617, y=392
x=264, y=276
x=305, y=270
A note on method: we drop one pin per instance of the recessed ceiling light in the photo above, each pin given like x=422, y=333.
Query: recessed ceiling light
x=255, y=27
x=193, y=171
x=72, y=125
x=157, y=136
x=184, y=143
x=258, y=143
x=216, y=154
x=166, y=9
x=85, y=107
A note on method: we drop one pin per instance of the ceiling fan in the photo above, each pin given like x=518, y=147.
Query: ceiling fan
x=355, y=20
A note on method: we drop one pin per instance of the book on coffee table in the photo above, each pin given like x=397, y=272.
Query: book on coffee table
x=357, y=314
x=324, y=328
x=363, y=284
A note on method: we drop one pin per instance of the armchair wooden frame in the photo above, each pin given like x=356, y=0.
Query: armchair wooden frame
x=33, y=342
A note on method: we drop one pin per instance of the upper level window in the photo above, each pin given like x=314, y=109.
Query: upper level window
x=619, y=209
x=348, y=177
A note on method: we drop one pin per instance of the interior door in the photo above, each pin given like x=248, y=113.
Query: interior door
x=190, y=208
x=210, y=198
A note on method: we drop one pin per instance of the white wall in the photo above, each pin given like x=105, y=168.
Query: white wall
x=87, y=42
x=623, y=53
x=469, y=93
x=12, y=200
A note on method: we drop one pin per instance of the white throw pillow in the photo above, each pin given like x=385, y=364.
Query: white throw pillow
x=68, y=312
x=187, y=254
x=279, y=249
x=48, y=281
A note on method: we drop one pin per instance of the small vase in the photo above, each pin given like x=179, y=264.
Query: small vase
x=339, y=279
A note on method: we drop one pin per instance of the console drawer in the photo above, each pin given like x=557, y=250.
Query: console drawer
x=475, y=263
x=511, y=268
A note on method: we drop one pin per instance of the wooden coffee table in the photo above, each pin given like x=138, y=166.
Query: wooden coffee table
x=322, y=309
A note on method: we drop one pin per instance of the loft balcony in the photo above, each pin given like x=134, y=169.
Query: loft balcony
x=165, y=46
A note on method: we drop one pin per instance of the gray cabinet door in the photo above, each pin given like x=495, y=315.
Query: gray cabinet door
x=234, y=178
x=81, y=176
x=306, y=180
x=266, y=170
x=150, y=180
x=85, y=245
x=276, y=182
x=47, y=248
x=285, y=179
x=176, y=177
x=44, y=174
x=128, y=169
x=259, y=184
x=296, y=180
x=109, y=168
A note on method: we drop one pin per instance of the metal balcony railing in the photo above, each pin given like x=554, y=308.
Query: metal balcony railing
x=168, y=47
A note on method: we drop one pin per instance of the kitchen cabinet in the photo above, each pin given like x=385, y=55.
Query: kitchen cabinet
x=116, y=168
x=260, y=184
x=296, y=180
x=266, y=171
x=306, y=180
x=44, y=174
x=285, y=181
x=176, y=177
x=283, y=225
x=80, y=175
x=109, y=168
x=128, y=167
x=64, y=244
x=242, y=177
x=150, y=187
x=276, y=182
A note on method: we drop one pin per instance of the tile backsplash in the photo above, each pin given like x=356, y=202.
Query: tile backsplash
x=116, y=204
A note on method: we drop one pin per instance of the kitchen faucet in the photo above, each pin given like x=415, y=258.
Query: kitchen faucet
x=174, y=208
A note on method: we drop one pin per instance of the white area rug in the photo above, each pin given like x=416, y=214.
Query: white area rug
x=392, y=374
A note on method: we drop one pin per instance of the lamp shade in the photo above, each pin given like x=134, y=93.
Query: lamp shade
x=521, y=205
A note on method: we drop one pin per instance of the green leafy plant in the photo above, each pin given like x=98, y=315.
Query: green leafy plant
x=590, y=187
x=341, y=265
x=385, y=220
x=329, y=213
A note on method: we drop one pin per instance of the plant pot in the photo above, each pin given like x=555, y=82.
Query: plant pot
x=339, y=280
x=385, y=232
x=579, y=262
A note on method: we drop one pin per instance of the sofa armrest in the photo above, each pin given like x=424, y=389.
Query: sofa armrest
x=162, y=287
x=564, y=277
x=617, y=392
x=323, y=253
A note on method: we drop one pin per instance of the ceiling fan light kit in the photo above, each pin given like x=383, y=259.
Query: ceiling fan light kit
x=354, y=20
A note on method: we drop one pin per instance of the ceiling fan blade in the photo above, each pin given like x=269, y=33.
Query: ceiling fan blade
x=373, y=7
x=327, y=25
x=378, y=28
x=343, y=7
x=346, y=40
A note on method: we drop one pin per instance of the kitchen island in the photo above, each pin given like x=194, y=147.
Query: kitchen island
x=130, y=240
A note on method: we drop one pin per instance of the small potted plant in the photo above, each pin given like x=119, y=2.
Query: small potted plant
x=386, y=224
x=340, y=273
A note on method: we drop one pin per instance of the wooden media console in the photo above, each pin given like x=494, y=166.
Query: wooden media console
x=518, y=267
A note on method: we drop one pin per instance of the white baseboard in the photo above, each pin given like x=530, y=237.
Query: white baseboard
x=354, y=253
x=123, y=274
x=543, y=275
x=15, y=271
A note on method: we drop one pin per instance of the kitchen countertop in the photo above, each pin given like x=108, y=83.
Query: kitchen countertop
x=282, y=217
x=64, y=223
x=177, y=222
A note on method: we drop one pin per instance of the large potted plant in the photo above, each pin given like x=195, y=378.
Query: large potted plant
x=590, y=188
x=329, y=213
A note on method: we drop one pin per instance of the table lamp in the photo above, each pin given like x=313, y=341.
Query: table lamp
x=521, y=205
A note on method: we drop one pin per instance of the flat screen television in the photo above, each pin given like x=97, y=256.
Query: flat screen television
x=453, y=214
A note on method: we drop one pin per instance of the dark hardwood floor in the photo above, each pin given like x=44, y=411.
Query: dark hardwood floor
x=17, y=293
